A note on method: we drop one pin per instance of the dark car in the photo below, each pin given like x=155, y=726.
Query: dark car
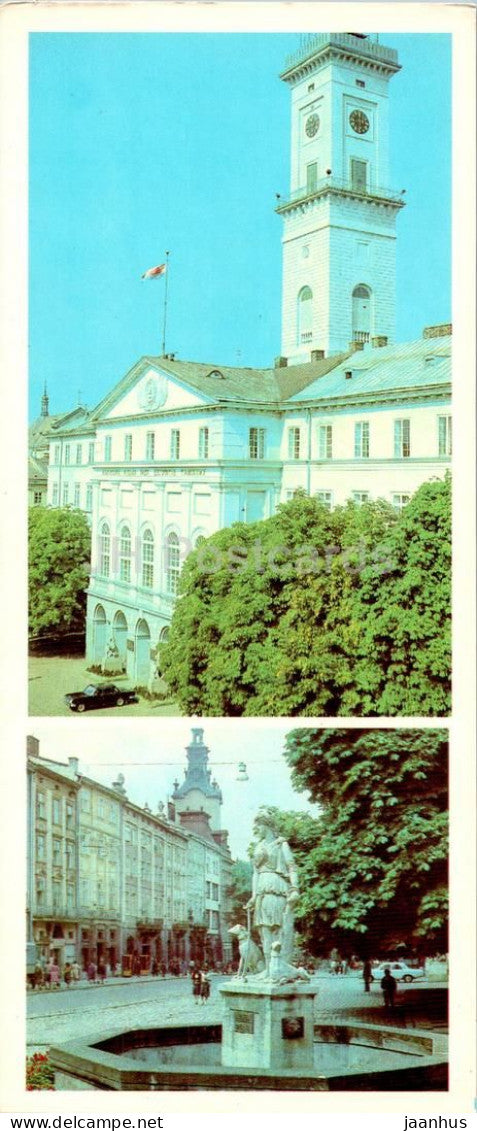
x=99, y=695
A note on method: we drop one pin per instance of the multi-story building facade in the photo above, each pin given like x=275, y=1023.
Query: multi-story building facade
x=109, y=880
x=180, y=449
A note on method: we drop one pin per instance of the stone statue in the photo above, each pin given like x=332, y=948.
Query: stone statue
x=274, y=895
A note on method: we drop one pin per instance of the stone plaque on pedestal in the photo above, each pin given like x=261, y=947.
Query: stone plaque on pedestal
x=267, y=1026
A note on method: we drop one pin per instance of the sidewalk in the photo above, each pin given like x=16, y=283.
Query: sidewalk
x=118, y=980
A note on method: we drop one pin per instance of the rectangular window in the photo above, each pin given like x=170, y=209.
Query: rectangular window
x=203, y=443
x=69, y=815
x=67, y=454
x=326, y=498
x=41, y=806
x=37, y=497
x=86, y=801
x=79, y=453
x=66, y=493
x=91, y=451
x=445, y=435
x=40, y=846
x=175, y=443
x=55, y=495
x=70, y=896
x=89, y=497
x=148, y=560
x=360, y=497
x=293, y=443
x=256, y=443
x=402, y=439
x=359, y=175
x=56, y=888
x=56, y=457
x=70, y=854
x=107, y=449
x=361, y=440
x=150, y=445
x=311, y=177
x=77, y=494
x=128, y=447
x=215, y=891
x=56, y=851
x=325, y=441
x=56, y=811
x=400, y=501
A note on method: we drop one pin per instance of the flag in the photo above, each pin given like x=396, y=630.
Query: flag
x=153, y=272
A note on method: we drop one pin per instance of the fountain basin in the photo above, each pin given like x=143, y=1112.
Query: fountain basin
x=347, y=1057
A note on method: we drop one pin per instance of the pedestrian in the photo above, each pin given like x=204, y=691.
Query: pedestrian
x=389, y=987
x=204, y=985
x=91, y=972
x=54, y=976
x=367, y=975
x=75, y=971
x=163, y=970
x=38, y=977
x=155, y=968
x=196, y=979
x=101, y=971
x=67, y=973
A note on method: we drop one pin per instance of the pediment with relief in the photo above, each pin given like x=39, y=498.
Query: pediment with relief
x=149, y=393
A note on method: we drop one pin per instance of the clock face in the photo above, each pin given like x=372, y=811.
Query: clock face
x=312, y=125
x=152, y=392
x=359, y=122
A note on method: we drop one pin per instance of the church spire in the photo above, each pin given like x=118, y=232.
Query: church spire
x=45, y=403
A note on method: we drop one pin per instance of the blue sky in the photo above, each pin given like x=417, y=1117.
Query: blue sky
x=150, y=764
x=145, y=142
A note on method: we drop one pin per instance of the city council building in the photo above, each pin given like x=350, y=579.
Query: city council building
x=179, y=449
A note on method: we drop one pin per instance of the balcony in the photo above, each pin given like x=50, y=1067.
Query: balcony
x=338, y=186
x=364, y=46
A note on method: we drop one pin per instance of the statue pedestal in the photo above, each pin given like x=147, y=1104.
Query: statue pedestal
x=267, y=1026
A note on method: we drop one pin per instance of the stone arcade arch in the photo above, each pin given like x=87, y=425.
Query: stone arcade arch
x=120, y=633
x=142, y=653
x=99, y=634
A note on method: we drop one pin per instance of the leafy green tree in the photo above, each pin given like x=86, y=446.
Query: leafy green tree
x=316, y=613
x=373, y=865
x=59, y=554
x=239, y=891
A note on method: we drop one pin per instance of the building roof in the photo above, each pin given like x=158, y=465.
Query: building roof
x=37, y=470
x=412, y=366
x=44, y=428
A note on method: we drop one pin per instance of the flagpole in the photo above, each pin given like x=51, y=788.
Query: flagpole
x=165, y=307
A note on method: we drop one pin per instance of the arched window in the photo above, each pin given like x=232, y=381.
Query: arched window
x=148, y=559
x=361, y=313
x=172, y=563
x=104, y=549
x=304, y=316
x=125, y=554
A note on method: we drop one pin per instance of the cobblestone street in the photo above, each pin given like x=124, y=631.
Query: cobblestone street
x=55, y=1017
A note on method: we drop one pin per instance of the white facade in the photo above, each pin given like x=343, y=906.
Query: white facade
x=339, y=220
x=178, y=450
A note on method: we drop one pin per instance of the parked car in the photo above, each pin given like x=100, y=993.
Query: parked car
x=97, y=695
x=399, y=970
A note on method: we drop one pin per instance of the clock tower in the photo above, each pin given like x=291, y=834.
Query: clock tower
x=339, y=219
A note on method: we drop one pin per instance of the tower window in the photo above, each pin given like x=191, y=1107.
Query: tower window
x=305, y=316
x=361, y=313
x=359, y=175
x=311, y=177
